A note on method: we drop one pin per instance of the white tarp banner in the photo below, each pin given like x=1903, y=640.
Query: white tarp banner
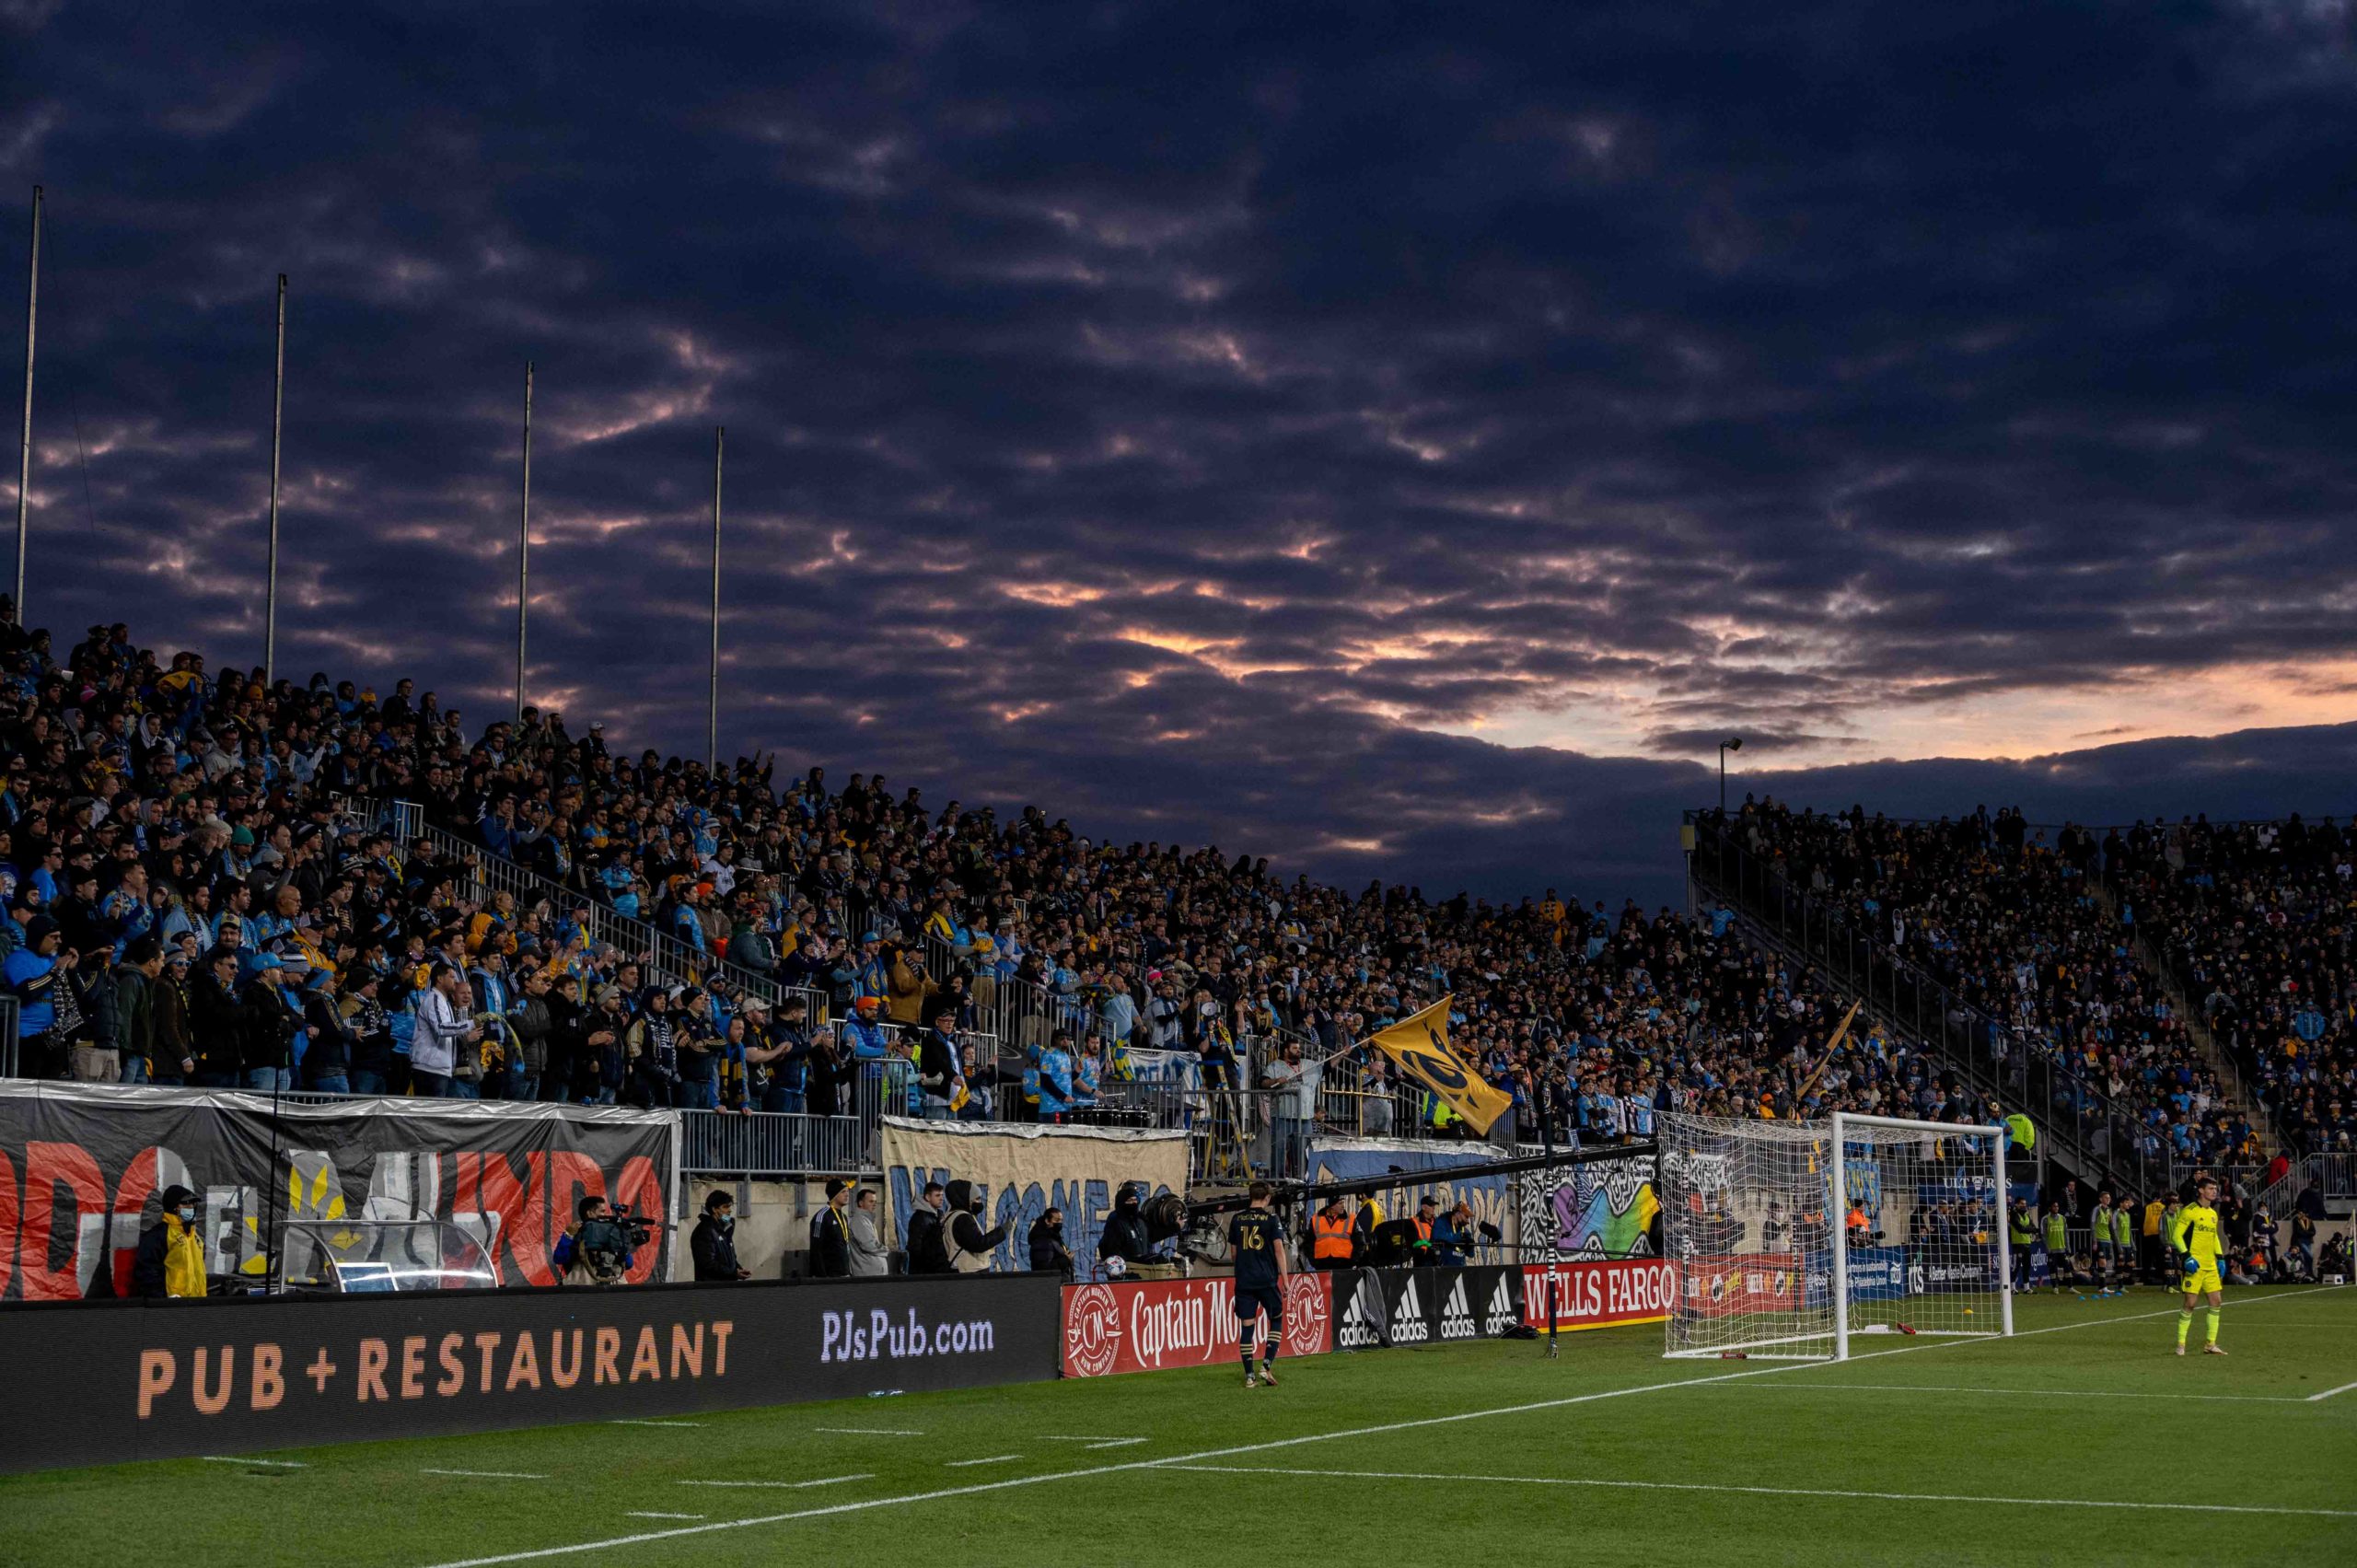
x=1023, y=1171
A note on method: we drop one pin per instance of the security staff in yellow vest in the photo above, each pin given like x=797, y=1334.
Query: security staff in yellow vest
x=170, y=1259
x=1331, y=1242
x=2020, y=1228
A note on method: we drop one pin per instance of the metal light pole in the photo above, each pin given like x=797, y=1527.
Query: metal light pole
x=277, y=429
x=1732, y=743
x=523, y=550
x=711, y=712
x=25, y=448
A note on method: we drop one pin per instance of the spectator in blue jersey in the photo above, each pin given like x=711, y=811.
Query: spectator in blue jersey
x=1059, y=1095
x=33, y=972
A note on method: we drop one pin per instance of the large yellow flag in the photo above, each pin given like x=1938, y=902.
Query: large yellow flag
x=1420, y=1046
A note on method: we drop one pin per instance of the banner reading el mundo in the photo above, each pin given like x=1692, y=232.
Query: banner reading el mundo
x=82, y=1168
x=1023, y=1171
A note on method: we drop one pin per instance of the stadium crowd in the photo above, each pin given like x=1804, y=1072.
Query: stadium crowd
x=2012, y=925
x=2253, y=920
x=187, y=903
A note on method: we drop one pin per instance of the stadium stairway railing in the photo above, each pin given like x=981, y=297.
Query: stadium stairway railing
x=2076, y=1122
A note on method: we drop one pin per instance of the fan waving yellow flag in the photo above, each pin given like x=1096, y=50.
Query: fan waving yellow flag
x=1420, y=1046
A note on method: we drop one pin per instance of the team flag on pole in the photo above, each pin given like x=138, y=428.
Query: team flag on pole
x=1419, y=1045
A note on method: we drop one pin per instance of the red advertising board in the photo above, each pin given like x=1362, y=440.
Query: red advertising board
x=1598, y=1295
x=1727, y=1286
x=1150, y=1325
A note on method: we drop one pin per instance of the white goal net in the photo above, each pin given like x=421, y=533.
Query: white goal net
x=1769, y=1225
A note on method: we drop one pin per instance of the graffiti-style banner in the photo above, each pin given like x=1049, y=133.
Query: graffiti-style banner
x=82, y=1169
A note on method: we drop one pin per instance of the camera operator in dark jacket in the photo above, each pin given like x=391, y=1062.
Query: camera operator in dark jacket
x=1124, y=1234
x=712, y=1244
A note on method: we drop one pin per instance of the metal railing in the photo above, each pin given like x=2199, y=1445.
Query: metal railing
x=8, y=1046
x=2108, y=1140
x=773, y=1143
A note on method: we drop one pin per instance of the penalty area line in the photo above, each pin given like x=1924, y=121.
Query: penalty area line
x=1775, y=1490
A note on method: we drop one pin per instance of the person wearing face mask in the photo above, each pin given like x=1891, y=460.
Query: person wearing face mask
x=713, y=1243
x=170, y=1259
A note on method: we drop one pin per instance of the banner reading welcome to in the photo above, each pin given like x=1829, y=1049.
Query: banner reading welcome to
x=1023, y=1171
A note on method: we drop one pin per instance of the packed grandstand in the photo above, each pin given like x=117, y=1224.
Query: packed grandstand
x=219, y=880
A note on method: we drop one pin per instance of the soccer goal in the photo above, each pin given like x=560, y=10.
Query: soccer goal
x=1788, y=1238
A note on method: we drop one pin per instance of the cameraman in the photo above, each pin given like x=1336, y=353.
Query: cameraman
x=598, y=1249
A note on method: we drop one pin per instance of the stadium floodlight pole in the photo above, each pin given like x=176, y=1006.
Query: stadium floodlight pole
x=1732, y=743
x=277, y=429
x=524, y=553
x=25, y=446
x=712, y=711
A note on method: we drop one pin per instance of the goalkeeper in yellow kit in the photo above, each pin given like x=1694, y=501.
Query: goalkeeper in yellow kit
x=2193, y=1237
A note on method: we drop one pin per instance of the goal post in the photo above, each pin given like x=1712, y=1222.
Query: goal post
x=1789, y=1238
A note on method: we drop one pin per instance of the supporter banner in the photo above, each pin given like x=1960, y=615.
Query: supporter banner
x=1727, y=1286
x=151, y=1380
x=81, y=1168
x=1599, y=1295
x=1353, y=1159
x=1384, y=1307
x=1154, y=1325
x=1602, y=1210
x=1023, y=1171
x=1419, y=1047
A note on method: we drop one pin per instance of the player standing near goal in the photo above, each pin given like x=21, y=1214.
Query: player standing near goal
x=1256, y=1240
x=2193, y=1236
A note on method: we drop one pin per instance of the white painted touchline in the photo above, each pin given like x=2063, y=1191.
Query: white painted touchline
x=489, y=1475
x=643, y=1536
x=1096, y=1442
x=993, y=1460
x=788, y=1485
x=1774, y=1491
x=2031, y=1393
x=645, y=1514
x=622, y=1422
x=866, y=1431
x=273, y=1464
x=2330, y=1392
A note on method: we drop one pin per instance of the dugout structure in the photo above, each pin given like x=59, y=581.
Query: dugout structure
x=1791, y=1239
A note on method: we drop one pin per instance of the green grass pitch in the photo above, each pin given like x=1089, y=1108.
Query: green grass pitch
x=2082, y=1440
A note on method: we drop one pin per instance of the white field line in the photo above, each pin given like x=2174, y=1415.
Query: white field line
x=785, y=1485
x=644, y=1536
x=273, y=1464
x=866, y=1431
x=2328, y=1393
x=645, y=1514
x=621, y=1422
x=1775, y=1490
x=489, y=1475
x=1096, y=1442
x=993, y=1460
x=2027, y=1393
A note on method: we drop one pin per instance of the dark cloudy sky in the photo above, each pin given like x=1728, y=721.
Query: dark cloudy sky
x=1400, y=439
